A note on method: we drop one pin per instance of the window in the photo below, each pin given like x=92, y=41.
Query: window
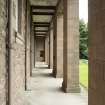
x=19, y=16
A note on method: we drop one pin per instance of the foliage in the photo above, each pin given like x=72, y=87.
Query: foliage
x=83, y=29
x=83, y=73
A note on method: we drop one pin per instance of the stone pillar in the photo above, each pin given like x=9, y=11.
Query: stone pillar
x=47, y=50
x=51, y=48
x=71, y=46
x=27, y=44
x=96, y=52
x=33, y=41
x=59, y=49
x=54, y=45
x=32, y=48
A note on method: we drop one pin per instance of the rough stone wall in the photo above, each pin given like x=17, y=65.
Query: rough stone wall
x=17, y=57
x=17, y=54
x=17, y=79
x=3, y=52
x=96, y=52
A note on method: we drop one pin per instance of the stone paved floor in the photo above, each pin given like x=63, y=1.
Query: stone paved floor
x=46, y=90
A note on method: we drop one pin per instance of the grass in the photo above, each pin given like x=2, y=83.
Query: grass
x=83, y=73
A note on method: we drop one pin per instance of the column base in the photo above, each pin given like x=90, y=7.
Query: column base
x=28, y=88
x=49, y=66
x=57, y=75
x=76, y=89
x=54, y=71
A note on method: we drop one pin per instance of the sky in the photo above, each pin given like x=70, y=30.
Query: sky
x=83, y=10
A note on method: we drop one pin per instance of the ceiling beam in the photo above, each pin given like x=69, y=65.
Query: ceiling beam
x=35, y=25
x=43, y=7
x=42, y=13
x=41, y=30
x=42, y=23
x=40, y=34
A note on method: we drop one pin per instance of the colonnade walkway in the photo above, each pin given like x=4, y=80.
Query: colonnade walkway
x=46, y=90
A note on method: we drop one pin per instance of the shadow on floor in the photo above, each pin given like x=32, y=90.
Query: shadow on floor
x=46, y=90
x=46, y=75
x=41, y=67
x=56, y=89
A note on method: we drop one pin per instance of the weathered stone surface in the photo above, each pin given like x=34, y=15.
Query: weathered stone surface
x=59, y=50
x=47, y=50
x=28, y=54
x=54, y=45
x=17, y=58
x=71, y=46
x=3, y=52
x=18, y=75
x=51, y=48
x=96, y=52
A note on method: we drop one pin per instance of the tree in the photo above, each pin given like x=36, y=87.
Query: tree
x=83, y=29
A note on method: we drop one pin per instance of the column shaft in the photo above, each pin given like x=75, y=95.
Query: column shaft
x=54, y=45
x=47, y=50
x=71, y=46
x=59, y=50
x=51, y=49
x=96, y=52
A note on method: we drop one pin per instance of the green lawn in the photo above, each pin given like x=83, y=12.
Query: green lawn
x=83, y=73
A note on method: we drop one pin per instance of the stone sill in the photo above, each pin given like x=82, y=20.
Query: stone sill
x=19, y=38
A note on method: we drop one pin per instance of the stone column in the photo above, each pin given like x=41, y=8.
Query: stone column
x=59, y=49
x=32, y=48
x=54, y=45
x=51, y=48
x=71, y=46
x=96, y=52
x=47, y=50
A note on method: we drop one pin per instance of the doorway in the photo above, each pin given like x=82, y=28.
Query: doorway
x=40, y=49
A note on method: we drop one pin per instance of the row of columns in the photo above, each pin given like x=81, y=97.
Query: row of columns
x=64, y=46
